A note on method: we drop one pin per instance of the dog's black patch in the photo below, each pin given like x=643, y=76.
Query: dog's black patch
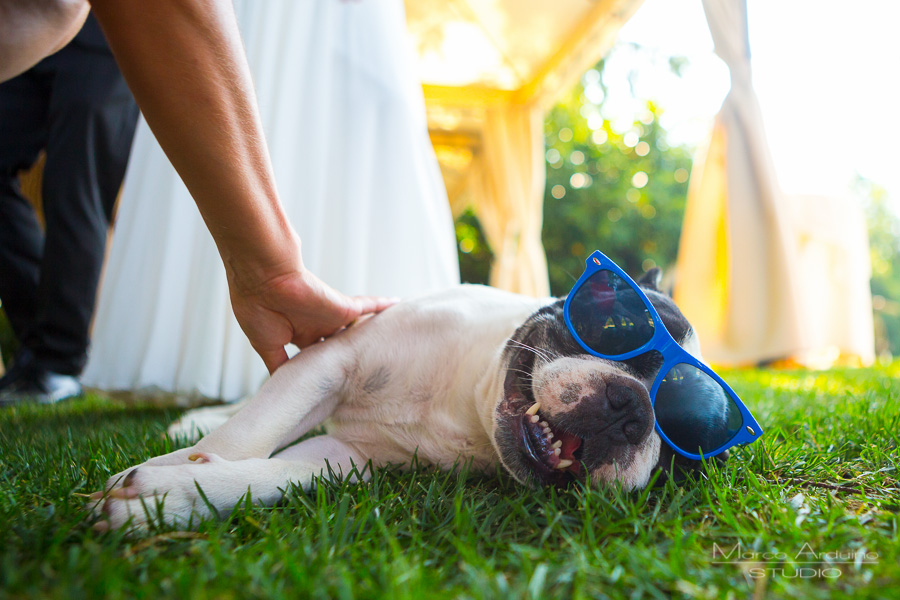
x=544, y=337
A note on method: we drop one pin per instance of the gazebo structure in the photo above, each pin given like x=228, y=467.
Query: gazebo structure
x=490, y=70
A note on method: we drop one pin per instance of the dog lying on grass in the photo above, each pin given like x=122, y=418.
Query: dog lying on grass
x=474, y=373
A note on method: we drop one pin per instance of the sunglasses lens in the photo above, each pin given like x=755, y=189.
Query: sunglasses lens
x=694, y=411
x=609, y=316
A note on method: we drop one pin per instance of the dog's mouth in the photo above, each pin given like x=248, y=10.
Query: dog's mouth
x=550, y=451
x=534, y=445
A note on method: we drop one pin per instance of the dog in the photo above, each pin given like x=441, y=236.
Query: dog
x=475, y=373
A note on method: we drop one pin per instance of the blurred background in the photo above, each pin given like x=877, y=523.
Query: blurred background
x=635, y=127
x=633, y=138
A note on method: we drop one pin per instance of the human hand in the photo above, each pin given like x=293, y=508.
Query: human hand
x=296, y=307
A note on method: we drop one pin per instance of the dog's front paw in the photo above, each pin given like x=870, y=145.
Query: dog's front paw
x=149, y=494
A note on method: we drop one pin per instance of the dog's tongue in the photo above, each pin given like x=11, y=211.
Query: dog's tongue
x=570, y=444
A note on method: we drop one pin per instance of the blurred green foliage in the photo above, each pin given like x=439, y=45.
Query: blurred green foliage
x=474, y=254
x=610, y=191
x=884, y=248
x=621, y=192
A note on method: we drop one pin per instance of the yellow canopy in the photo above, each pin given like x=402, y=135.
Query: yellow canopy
x=490, y=69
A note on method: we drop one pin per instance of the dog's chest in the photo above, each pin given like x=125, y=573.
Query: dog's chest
x=417, y=384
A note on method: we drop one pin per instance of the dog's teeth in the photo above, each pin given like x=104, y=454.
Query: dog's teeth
x=550, y=435
x=564, y=464
x=544, y=424
x=533, y=410
x=557, y=444
x=535, y=418
x=546, y=430
x=557, y=451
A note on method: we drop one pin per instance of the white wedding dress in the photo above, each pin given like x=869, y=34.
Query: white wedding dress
x=345, y=123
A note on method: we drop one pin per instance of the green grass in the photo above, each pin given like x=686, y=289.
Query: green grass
x=832, y=437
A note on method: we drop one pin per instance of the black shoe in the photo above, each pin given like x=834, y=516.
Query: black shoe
x=20, y=365
x=35, y=385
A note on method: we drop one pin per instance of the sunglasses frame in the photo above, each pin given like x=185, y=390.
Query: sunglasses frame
x=672, y=353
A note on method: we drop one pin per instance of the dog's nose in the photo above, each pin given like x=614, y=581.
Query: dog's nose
x=634, y=430
x=627, y=410
x=620, y=396
x=629, y=407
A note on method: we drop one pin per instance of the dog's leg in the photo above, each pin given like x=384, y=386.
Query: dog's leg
x=299, y=396
x=170, y=493
x=194, y=424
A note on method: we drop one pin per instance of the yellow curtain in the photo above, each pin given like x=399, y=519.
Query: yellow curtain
x=490, y=70
x=702, y=290
x=506, y=188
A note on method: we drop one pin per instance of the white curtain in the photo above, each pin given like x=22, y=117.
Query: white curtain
x=737, y=270
x=834, y=273
x=345, y=123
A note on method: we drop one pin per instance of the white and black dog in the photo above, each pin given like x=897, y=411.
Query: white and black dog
x=474, y=373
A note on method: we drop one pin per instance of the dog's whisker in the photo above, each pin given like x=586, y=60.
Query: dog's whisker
x=527, y=347
x=526, y=375
x=543, y=354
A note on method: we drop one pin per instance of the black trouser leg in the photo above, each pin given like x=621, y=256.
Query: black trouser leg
x=23, y=133
x=92, y=118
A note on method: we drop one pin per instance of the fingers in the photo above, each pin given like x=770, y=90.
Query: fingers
x=273, y=358
x=298, y=308
x=371, y=304
x=342, y=313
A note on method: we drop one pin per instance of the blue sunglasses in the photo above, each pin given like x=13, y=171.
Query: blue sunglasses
x=697, y=413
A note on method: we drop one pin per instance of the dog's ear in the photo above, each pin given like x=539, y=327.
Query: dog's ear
x=651, y=279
